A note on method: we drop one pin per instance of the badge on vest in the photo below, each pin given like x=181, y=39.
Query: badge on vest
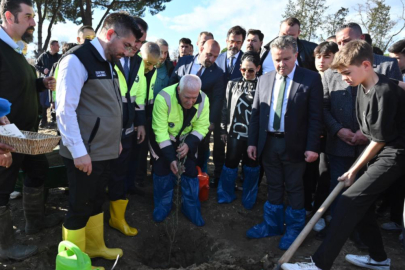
x=171, y=125
x=101, y=74
x=137, y=78
x=153, y=86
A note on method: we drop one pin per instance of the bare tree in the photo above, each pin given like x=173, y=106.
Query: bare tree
x=334, y=21
x=376, y=20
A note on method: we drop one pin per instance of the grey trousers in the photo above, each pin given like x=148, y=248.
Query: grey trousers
x=282, y=174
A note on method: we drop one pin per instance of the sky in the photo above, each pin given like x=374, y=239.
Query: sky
x=186, y=18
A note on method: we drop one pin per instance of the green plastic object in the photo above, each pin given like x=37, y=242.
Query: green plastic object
x=70, y=257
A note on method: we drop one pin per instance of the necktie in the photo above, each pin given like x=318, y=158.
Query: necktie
x=199, y=72
x=231, y=64
x=279, y=107
x=126, y=67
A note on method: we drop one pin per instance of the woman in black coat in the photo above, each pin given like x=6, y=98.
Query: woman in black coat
x=235, y=125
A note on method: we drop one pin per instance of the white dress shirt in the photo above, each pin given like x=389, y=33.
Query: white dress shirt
x=71, y=77
x=9, y=41
x=274, y=97
x=196, y=66
x=228, y=58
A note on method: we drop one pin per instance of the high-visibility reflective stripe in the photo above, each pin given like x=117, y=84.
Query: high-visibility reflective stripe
x=172, y=138
x=168, y=100
x=125, y=100
x=164, y=144
x=201, y=105
x=150, y=102
x=152, y=152
x=198, y=135
x=141, y=108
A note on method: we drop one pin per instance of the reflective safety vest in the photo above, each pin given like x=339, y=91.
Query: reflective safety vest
x=137, y=92
x=167, y=117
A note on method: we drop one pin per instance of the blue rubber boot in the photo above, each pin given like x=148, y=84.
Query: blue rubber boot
x=272, y=225
x=191, y=206
x=226, y=185
x=295, y=222
x=250, y=186
x=162, y=196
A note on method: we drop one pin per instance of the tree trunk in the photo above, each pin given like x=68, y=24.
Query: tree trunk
x=41, y=16
x=51, y=23
x=87, y=18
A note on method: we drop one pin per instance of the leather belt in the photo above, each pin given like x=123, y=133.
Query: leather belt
x=276, y=134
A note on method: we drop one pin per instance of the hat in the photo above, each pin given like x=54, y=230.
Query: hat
x=4, y=107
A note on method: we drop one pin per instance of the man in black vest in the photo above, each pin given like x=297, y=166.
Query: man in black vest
x=89, y=115
x=20, y=86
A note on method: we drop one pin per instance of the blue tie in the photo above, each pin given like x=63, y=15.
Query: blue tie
x=126, y=67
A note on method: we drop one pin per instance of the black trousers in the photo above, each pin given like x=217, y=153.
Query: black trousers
x=282, y=174
x=356, y=207
x=236, y=150
x=35, y=168
x=86, y=192
x=219, y=151
x=119, y=169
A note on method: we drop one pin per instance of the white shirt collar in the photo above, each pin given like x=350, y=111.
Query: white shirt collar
x=289, y=76
x=7, y=39
x=235, y=56
x=96, y=43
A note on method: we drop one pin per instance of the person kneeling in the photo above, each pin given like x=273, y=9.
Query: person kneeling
x=180, y=120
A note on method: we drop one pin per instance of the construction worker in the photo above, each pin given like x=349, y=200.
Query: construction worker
x=130, y=73
x=180, y=120
x=89, y=115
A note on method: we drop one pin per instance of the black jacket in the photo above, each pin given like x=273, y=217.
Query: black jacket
x=303, y=117
x=306, y=58
x=46, y=60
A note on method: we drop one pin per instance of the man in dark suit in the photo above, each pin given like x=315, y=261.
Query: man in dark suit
x=229, y=62
x=285, y=130
x=203, y=65
x=291, y=27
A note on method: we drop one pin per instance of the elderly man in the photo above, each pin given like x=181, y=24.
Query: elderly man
x=89, y=114
x=291, y=27
x=180, y=121
x=164, y=68
x=20, y=86
x=285, y=129
x=204, y=66
x=85, y=32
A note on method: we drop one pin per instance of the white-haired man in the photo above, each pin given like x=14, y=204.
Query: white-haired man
x=180, y=120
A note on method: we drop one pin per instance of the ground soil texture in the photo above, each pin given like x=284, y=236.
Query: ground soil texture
x=221, y=244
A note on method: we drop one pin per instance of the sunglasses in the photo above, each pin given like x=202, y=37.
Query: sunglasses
x=250, y=70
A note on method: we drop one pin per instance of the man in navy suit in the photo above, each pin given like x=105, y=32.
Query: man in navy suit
x=203, y=65
x=229, y=62
x=285, y=129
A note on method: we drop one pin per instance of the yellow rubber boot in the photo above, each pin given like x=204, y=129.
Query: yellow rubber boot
x=77, y=237
x=117, y=218
x=95, y=246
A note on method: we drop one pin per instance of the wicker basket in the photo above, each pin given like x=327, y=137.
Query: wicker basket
x=33, y=143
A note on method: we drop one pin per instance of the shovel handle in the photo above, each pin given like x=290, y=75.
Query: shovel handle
x=307, y=229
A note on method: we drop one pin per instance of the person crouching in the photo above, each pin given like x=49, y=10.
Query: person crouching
x=180, y=120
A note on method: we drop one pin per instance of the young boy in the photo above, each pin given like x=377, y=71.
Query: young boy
x=380, y=110
x=324, y=54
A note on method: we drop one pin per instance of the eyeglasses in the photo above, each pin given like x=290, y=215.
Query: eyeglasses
x=250, y=70
x=91, y=37
x=127, y=46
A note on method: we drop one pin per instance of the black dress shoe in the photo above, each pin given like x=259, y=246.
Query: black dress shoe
x=135, y=191
x=214, y=183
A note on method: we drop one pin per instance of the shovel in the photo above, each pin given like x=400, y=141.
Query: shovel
x=307, y=229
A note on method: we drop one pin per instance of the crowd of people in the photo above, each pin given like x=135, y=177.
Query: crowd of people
x=306, y=116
